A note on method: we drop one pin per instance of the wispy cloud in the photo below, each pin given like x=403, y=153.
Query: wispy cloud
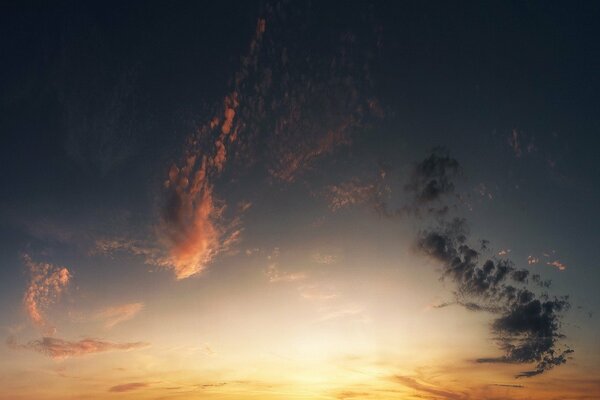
x=274, y=274
x=557, y=264
x=46, y=284
x=59, y=349
x=428, y=389
x=127, y=387
x=527, y=325
x=117, y=314
x=318, y=292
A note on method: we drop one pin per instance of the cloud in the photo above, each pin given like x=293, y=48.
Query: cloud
x=527, y=326
x=117, y=314
x=515, y=143
x=274, y=274
x=422, y=388
x=192, y=226
x=355, y=192
x=532, y=260
x=334, y=312
x=432, y=177
x=127, y=387
x=59, y=349
x=318, y=292
x=323, y=258
x=46, y=284
x=557, y=264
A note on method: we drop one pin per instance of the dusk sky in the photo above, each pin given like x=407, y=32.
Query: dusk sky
x=300, y=200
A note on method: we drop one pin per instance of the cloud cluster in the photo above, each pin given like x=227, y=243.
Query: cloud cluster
x=46, y=284
x=297, y=108
x=59, y=349
x=285, y=111
x=433, y=177
x=527, y=326
x=354, y=192
x=192, y=227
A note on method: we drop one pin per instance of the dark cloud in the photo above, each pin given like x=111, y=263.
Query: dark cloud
x=432, y=177
x=527, y=325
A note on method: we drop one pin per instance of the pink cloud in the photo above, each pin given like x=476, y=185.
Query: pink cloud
x=557, y=264
x=59, y=349
x=46, y=284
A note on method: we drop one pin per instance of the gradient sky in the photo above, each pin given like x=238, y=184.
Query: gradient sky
x=299, y=200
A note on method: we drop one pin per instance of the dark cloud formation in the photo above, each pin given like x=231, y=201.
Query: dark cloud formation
x=432, y=177
x=526, y=325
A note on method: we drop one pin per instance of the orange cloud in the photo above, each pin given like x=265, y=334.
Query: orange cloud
x=60, y=349
x=557, y=264
x=117, y=314
x=429, y=390
x=46, y=284
x=189, y=227
x=192, y=228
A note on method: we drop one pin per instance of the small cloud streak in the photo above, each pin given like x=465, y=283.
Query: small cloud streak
x=515, y=143
x=317, y=292
x=59, y=349
x=117, y=314
x=557, y=264
x=46, y=284
x=422, y=388
x=127, y=387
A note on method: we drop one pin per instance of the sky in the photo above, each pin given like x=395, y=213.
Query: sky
x=299, y=200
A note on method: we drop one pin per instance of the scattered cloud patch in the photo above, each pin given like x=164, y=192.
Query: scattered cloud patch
x=46, y=284
x=60, y=349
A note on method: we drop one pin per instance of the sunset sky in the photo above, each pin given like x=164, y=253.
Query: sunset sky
x=300, y=200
